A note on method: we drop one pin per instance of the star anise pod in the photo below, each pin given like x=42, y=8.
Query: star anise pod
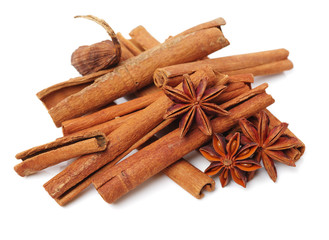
x=229, y=160
x=271, y=143
x=193, y=103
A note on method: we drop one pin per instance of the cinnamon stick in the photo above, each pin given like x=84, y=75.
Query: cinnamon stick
x=259, y=63
x=190, y=178
x=62, y=149
x=137, y=72
x=119, y=140
x=105, y=127
x=265, y=69
x=139, y=167
x=106, y=114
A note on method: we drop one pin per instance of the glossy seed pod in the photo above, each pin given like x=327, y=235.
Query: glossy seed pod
x=98, y=56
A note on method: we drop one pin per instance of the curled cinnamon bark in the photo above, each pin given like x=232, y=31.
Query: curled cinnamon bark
x=65, y=148
x=190, y=178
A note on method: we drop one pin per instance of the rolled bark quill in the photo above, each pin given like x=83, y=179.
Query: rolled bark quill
x=259, y=63
x=139, y=167
x=120, y=140
x=62, y=149
x=106, y=114
x=105, y=127
x=190, y=178
x=137, y=72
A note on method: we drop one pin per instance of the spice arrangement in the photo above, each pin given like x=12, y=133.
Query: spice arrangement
x=178, y=100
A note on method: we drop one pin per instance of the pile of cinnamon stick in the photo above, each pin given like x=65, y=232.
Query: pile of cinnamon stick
x=99, y=133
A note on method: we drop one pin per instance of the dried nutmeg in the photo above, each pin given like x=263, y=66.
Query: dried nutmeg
x=98, y=56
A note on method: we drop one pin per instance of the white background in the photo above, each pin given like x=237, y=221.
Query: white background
x=37, y=39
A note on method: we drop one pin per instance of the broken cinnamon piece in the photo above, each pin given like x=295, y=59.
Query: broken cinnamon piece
x=190, y=178
x=62, y=149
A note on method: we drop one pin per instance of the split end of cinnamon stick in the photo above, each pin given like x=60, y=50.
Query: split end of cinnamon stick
x=62, y=149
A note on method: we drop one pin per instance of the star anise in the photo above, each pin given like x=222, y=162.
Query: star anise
x=229, y=160
x=194, y=103
x=271, y=143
